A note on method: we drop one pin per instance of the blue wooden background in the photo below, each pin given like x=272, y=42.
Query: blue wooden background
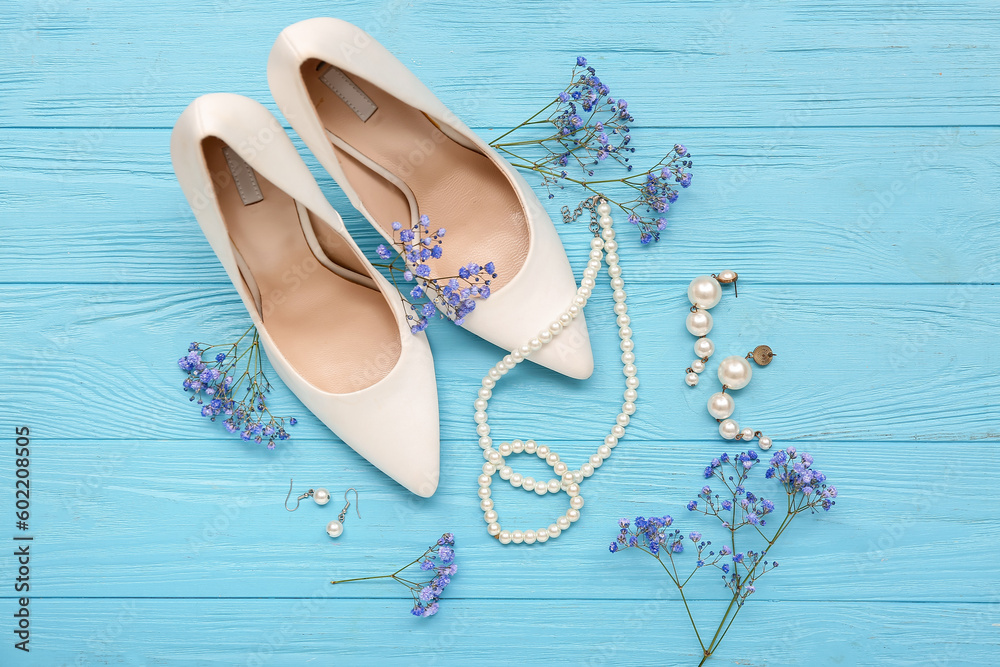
x=846, y=158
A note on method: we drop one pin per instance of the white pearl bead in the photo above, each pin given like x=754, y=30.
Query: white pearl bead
x=506, y=472
x=563, y=522
x=489, y=468
x=627, y=345
x=541, y=488
x=516, y=479
x=611, y=245
x=704, y=347
x=623, y=320
x=628, y=407
x=704, y=291
x=516, y=355
x=554, y=530
x=525, y=350
x=481, y=404
x=542, y=535
x=573, y=514
x=508, y=362
x=611, y=258
x=504, y=536
x=604, y=451
x=721, y=405
x=554, y=486
x=586, y=470
x=484, y=492
x=517, y=537
x=505, y=449
x=631, y=383
x=629, y=370
x=746, y=433
x=321, y=496
x=610, y=441
x=728, y=429
x=490, y=516
x=607, y=234
x=545, y=336
x=596, y=255
x=614, y=271
x=579, y=301
x=625, y=332
x=489, y=383
x=578, y=475
x=622, y=418
x=735, y=372
x=596, y=461
x=552, y=458
x=576, y=502
x=565, y=319
x=764, y=442
x=486, y=504
x=485, y=480
x=619, y=295
x=494, y=457
x=631, y=395
x=698, y=366
x=596, y=243
x=517, y=446
x=618, y=430
x=335, y=528
x=584, y=292
x=604, y=208
x=573, y=490
x=479, y=417
x=573, y=310
x=528, y=483
x=691, y=379
x=485, y=394
x=560, y=468
x=589, y=273
x=530, y=446
x=569, y=478
x=617, y=283
x=483, y=429
x=493, y=529
x=535, y=344
x=727, y=276
x=605, y=221
x=529, y=537
x=589, y=283
x=621, y=309
x=542, y=451
x=494, y=374
x=486, y=442
x=699, y=322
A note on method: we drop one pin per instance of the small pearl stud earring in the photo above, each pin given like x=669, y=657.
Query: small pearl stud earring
x=320, y=496
x=336, y=527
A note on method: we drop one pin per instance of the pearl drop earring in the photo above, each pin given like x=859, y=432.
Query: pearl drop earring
x=735, y=372
x=319, y=496
x=336, y=527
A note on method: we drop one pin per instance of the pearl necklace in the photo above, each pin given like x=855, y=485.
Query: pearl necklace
x=567, y=480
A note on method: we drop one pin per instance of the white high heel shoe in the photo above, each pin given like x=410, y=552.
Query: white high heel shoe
x=333, y=328
x=398, y=152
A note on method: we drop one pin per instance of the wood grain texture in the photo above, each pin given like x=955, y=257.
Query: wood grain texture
x=845, y=165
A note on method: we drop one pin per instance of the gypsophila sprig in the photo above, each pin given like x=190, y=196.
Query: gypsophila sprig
x=411, y=256
x=585, y=128
x=740, y=512
x=435, y=567
x=229, y=384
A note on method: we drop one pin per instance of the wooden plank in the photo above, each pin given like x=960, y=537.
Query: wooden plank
x=730, y=63
x=203, y=517
x=363, y=632
x=780, y=206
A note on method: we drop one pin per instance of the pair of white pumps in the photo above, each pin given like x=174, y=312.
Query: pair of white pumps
x=334, y=329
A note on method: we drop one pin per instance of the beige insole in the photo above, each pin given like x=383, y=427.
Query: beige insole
x=457, y=188
x=339, y=335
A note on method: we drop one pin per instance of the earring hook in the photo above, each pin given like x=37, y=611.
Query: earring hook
x=291, y=484
x=357, y=504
